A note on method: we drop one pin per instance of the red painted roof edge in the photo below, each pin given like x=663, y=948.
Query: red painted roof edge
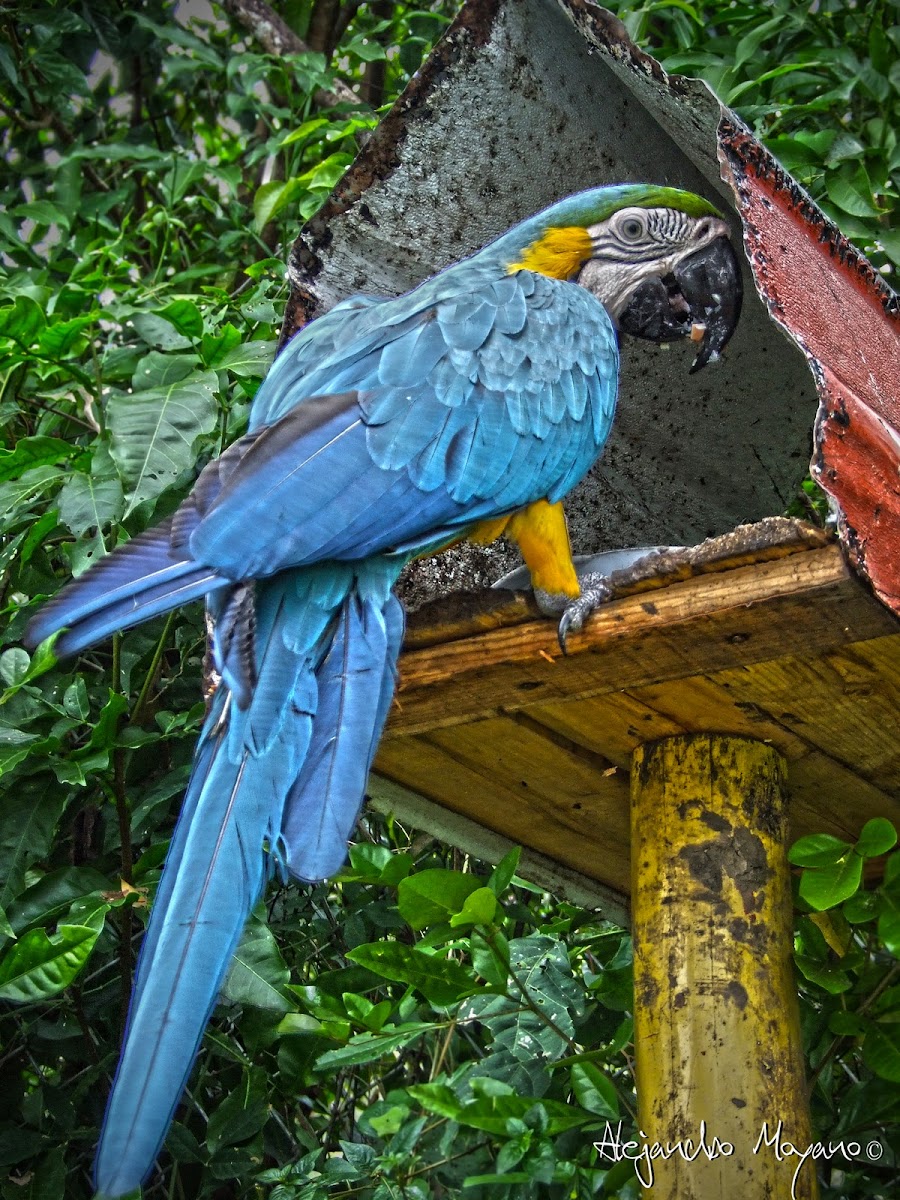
x=832, y=302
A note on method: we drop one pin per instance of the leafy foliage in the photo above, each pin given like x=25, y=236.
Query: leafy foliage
x=818, y=82
x=847, y=949
x=418, y=1026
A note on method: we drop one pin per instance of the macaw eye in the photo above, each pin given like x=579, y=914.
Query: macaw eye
x=632, y=229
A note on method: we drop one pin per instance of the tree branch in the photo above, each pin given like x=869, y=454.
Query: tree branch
x=276, y=37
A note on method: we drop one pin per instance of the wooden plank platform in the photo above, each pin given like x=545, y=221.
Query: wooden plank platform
x=764, y=633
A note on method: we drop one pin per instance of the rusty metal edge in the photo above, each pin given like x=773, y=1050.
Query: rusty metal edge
x=739, y=150
x=743, y=158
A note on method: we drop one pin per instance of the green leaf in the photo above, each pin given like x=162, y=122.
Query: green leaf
x=14, y=665
x=214, y=347
x=491, y=959
x=42, y=660
x=861, y=907
x=305, y=130
x=17, y=495
x=258, y=974
x=848, y=1024
x=878, y=836
x=239, y=1116
x=502, y=875
x=823, y=887
x=183, y=175
x=368, y=1047
x=87, y=503
x=384, y=1119
x=60, y=338
x=157, y=331
x=441, y=981
x=185, y=316
x=23, y=322
x=881, y=1050
x=492, y=1113
x=53, y=895
x=732, y=95
x=832, y=979
x=154, y=432
x=251, y=359
x=480, y=908
x=121, y=152
x=272, y=198
x=594, y=1091
x=844, y=147
x=366, y=49
x=850, y=190
x=880, y=52
x=529, y=1036
x=433, y=896
x=157, y=370
x=265, y=266
x=397, y=868
x=18, y=1144
x=13, y=754
x=34, y=536
x=326, y=174
x=817, y=850
x=45, y=1180
x=38, y=966
x=33, y=452
x=358, y=1007
x=749, y=44
x=368, y=859
x=889, y=921
x=412, y=51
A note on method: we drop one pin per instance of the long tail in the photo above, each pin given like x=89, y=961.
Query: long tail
x=265, y=788
x=142, y=579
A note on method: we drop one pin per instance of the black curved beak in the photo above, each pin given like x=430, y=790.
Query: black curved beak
x=701, y=299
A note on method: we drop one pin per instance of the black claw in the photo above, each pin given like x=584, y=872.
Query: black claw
x=595, y=590
x=562, y=631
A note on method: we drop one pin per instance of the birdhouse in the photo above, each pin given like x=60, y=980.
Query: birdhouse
x=647, y=771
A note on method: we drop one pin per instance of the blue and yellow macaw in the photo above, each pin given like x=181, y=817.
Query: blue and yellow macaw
x=386, y=430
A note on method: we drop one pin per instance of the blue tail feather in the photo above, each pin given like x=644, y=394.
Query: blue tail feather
x=142, y=579
x=215, y=872
x=355, y=685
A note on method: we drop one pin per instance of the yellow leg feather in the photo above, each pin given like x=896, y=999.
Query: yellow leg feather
x=488, y=531
x=540, y=533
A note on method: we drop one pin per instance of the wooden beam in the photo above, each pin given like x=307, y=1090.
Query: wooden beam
x=711, y=622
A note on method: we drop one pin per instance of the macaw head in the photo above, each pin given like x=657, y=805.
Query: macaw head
x=658, y=259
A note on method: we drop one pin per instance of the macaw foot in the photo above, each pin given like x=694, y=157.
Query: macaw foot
x=595, y=590
x=551, y=604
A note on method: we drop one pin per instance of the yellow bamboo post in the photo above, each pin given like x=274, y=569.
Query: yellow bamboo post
x=721, y=1095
